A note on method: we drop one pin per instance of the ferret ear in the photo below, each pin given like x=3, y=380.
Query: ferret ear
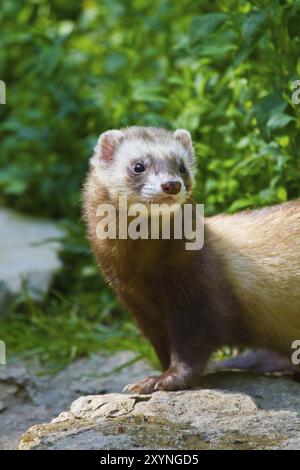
x=107, y=144
x=184, y=137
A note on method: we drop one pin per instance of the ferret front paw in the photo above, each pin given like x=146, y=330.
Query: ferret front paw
x=165, y=382
x=147, y=385
x=173, y=380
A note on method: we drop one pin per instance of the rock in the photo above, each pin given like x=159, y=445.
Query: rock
x=28, y=255
x=14, y=420
x=232, y=411
x=27, y=398
x=16, y=385
x=17, y=409
x=89, y=376
x=292, y=444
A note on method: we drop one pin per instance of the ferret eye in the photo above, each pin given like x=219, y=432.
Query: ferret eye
x=139, y=168
x=182, y=168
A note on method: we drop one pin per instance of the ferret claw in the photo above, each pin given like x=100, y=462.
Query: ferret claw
x=143, y=386
x=156, y=386
x=127, y=388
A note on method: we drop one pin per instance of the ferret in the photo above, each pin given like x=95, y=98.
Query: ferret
x=242, y=289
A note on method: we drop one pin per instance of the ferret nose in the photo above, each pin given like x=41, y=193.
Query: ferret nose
x=171, y=187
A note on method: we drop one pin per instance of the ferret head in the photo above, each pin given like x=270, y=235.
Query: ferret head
x=145, y=164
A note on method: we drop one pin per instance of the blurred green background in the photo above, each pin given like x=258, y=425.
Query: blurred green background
x=74, y=68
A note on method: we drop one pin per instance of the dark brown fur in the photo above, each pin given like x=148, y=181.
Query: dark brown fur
x=179, y=298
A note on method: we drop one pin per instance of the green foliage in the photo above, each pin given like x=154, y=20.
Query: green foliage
x=70, y=329
x=74, y=69
x=224, y=70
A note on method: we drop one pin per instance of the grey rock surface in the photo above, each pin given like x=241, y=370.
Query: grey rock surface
x=28, y=254
x=27, y=398
x=231, y=411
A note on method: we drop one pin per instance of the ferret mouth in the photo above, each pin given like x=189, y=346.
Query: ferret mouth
x=168, y=200
x=165, y=199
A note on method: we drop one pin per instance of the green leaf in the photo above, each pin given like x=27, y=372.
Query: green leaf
x=279, y=120
x=15, y=187
x=115, y=62
x=253, y=25
x=242, y=54
x=202, y=26
x=144, y=92
x=240, y=204
x=282, y=194
x=214, y=49
x=267, y=106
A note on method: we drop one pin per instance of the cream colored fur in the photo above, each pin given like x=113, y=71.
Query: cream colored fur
x=260, y=251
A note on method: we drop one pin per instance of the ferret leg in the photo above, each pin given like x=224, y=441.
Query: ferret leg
x=260, y=362
x=180, y=375
x=156, y=333
x=188, y=356
x=183, y=372
x=161, y=347
x=160, y=343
